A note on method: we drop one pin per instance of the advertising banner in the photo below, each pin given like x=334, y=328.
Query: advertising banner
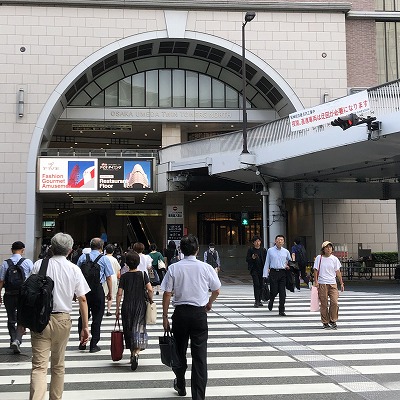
x=64, y=175
x=323, y=114
x=92, y=174
x=125, y=174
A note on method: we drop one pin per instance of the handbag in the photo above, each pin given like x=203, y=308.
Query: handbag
x=151, y=313
x=169, y=355
x=265, y=290
x=314, y=304
x=161, y=264
x=153, y=276
x=117, y=342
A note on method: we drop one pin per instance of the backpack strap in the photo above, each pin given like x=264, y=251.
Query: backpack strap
x=97, y=258
x=43, y=266
x=9, y=262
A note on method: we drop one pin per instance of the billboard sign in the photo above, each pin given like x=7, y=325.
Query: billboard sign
x=92, y=174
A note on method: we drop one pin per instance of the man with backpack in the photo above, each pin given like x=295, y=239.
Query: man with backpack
x=68, y=282
x=211, y=257
x=96, y=269
x=299, y=255
x=13, y=273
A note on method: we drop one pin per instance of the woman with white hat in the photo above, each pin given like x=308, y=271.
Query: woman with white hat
x=326, y=271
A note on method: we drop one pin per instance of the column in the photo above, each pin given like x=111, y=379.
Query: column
x=276, y=213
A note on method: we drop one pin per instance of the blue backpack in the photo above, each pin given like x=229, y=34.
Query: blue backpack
x=14, y=277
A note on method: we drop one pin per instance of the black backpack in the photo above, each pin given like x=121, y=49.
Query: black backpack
x=301, y=256
x=91, y=271
x=14, y=277
x=35, y=301
x=212, y=258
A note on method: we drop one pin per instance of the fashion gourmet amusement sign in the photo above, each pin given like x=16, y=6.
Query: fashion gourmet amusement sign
x=95, y=174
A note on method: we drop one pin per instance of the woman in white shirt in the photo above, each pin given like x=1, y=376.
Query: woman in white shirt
x=326, y=271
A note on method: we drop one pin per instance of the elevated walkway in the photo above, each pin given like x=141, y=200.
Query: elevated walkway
x=326, y=154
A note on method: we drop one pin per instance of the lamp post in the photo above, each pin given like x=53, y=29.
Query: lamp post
x=247, y=18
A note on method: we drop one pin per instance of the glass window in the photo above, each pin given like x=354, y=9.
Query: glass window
x=232, y=98
x=192, y=89
x=138, y=90
x=204, y=91
x=98, y=101
x=152, y=88
x=111, y=99
x=165, y=88
x=178, y=87
x=125, y=87
x=218, y=94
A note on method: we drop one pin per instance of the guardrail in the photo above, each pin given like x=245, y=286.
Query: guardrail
x=355, y=270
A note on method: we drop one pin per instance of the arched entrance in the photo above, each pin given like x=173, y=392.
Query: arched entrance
x=203, y=54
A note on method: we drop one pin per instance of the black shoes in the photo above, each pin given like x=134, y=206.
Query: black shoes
x=108, y=314
x=134, y=362
x=325, y=326
x=282, y=314
x=181, y=391
x=94, y=349
x=270, y=305
x=333, y=325
x=82, y=346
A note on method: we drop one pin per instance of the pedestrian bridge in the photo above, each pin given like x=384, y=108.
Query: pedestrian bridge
x=326, y=154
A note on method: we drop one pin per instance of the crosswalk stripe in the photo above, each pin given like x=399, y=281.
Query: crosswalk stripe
x=252, y=354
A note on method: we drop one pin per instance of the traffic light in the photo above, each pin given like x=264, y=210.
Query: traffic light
x=245, y=218
x=347, y=121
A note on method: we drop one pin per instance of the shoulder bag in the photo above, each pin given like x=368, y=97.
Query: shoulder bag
x=151, y=308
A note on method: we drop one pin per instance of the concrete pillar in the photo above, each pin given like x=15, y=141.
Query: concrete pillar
x=318, y=224
x=171, y=134
x=174, y=216
x=276, y=212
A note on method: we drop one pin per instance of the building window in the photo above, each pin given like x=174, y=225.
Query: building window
x=388, y=50
x=164, y=88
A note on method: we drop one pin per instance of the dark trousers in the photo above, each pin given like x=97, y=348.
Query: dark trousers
x=301, y=272
x=10, y=304
x=256, y=274
x=191, y=322
x=95, y=301
x=277, y=284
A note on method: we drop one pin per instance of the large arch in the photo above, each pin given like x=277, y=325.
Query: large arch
x=81, y=74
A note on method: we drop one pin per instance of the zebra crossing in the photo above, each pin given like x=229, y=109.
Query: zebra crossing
x=252, y=354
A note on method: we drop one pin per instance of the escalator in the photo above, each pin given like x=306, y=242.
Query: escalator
x=138, y=231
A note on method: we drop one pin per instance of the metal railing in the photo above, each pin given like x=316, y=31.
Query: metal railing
x=384, y=99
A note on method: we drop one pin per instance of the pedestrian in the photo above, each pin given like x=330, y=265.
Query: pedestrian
x=211, y=257
x=276, y=268
x=132, y=286
x=21, y=268
x=190, y=280
x=255, y=259
x=155, y=257
x=326, y=271
x=109, y=249
x=170, y=252
x=68, y=282
x=145, y=260
x=299, y=255
x=96, y=297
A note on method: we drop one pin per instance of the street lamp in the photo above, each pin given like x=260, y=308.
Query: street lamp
x=247, y=18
